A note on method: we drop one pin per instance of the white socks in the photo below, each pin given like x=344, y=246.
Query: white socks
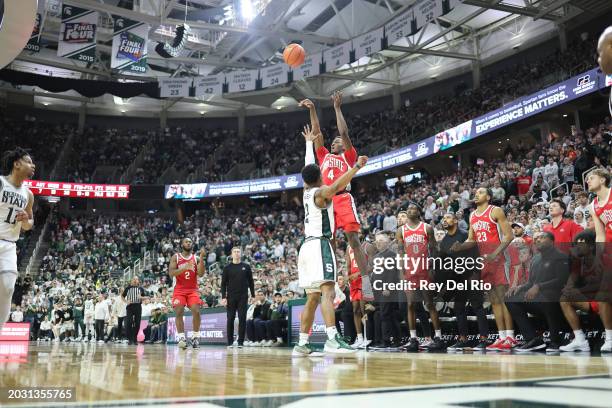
x=579, y=335
x=331, y=332
x=180, y=336
x=360, y=337
x=510, y=333
x=413, y=334
x=608, y=336
x=502, y=334
x=438, y=333
x=303, y=339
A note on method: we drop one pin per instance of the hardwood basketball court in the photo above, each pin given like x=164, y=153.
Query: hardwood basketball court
x=121, y=375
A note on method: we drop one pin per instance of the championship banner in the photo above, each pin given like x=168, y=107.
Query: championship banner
x=34, y=41
x=426, y=11
x=174, y=87
x=240, y=81
x=61, y=189
x=399, y=27
x=369, y=43
x=129, y=52
x=209, y=85
x=338, y=56
x=310, y=67
x=274, y=75
x=77, y=38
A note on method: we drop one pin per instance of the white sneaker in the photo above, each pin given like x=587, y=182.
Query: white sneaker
x=426, y=343
x=576, y=345
x=357, y=344
x=365, y=344
x=276, y=344
x=182, y=343
x=100, y=341
x=607, y=347
x=269, y=343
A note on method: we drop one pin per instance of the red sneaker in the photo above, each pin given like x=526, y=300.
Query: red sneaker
x=496, y=346
x=506, y=345
x=512, y=341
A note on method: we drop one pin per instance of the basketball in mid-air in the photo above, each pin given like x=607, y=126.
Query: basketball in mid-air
x=294, y=55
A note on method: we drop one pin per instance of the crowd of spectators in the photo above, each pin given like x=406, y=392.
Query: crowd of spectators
x=89, y=253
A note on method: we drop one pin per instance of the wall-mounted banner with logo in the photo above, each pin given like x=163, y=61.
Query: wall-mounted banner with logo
x=310, y=67
x=209, y=85
x=545, y=99
x=77, y=37
x=240, y=81
x=34, y=41
x=338, y=56
x=129, y=52
x=368, y=43
x=174, y=87
x=274, y=75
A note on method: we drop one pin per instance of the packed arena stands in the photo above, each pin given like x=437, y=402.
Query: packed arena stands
x=89, y=253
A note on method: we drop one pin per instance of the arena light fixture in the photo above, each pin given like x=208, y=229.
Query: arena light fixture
x=247, y=11
x=565, y=115
x=166, y=50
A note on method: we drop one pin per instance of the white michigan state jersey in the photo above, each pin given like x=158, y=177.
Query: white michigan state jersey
x=12, y=201
x=318, y=222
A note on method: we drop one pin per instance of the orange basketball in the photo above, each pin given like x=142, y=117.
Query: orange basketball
x=294, y=55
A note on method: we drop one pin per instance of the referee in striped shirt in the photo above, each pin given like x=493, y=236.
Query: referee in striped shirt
x=132, y=295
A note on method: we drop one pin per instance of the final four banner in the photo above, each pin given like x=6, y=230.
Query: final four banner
x=338, y=56
x=129, y=51
x=77, y=38
x=34, y=41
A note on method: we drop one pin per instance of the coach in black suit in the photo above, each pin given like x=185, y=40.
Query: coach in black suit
x=548, y=275
x=235, y=284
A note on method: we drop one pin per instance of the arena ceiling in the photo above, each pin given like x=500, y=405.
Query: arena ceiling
x=473, y=33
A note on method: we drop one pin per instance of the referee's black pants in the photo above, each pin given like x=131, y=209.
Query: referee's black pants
x=236, y=305
x=132, y=321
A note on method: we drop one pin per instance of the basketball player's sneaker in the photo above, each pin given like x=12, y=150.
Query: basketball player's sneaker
x=412, y=346
x=607, y=347
x=576, y=345
x=357, y=344
x=508, y=344
x=552, y=347
x=425, y=344
x=437, y=345
x=534, y=344
x=460, y=346
x=481, y=346
x=305, y=351
x=338, y=346
x=195, y=342
x=495, y=346
x=366, y=289
x=182, y=343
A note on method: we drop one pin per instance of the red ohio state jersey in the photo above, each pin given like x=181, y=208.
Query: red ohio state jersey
x=335, y=165
x=353, y=268
x=604, y=212
x=188, y=280
x=486, y=230
x=416, y=245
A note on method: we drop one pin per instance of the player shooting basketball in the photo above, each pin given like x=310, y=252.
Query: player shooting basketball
x=342, y=158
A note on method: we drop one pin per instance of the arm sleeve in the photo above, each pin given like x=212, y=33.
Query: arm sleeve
x=321, y=153
x=224, y=283
x=310, y=157
x=351, y=156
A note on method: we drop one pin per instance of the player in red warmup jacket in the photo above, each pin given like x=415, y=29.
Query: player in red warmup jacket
x=185, y=267
x=334, y=164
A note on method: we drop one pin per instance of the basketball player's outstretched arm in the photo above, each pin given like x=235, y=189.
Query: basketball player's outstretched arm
x=309, y=137
x=201, y=264
x=499, y=216
x=314, y=122
x=26, y=217
x=340, y=122
x=325, y=193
